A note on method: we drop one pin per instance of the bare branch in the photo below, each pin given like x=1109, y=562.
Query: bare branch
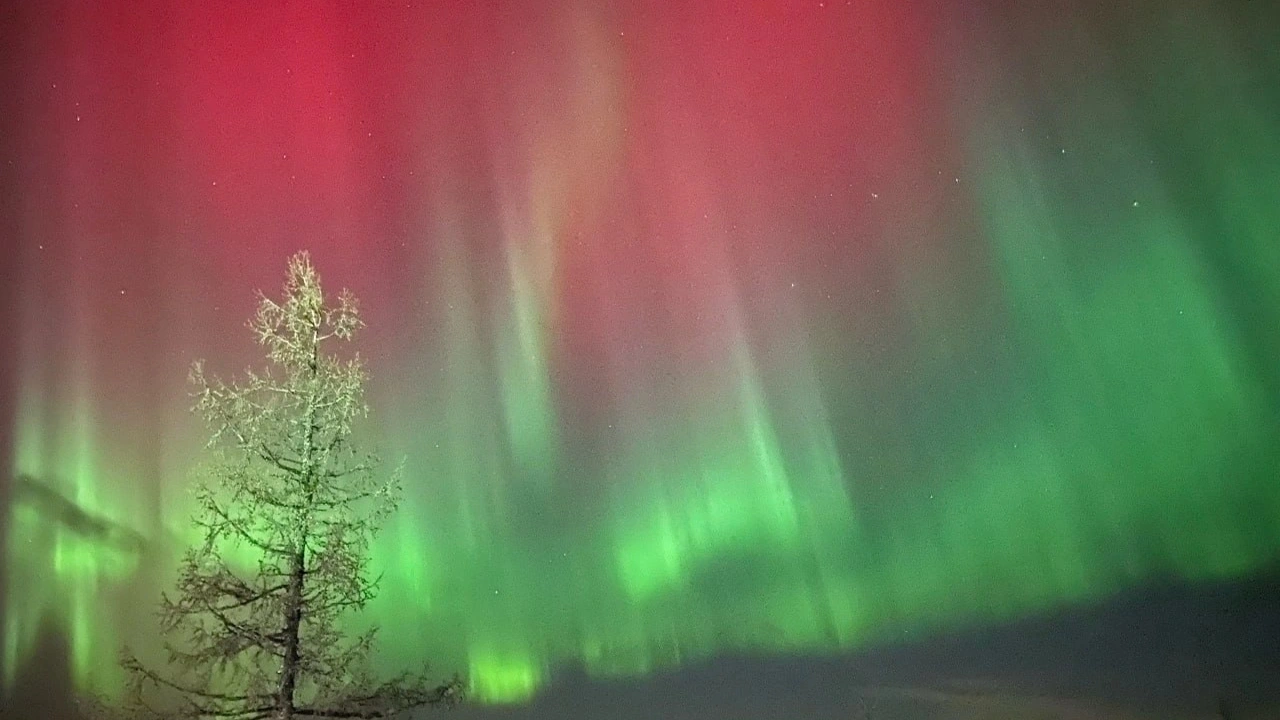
x=130, y=663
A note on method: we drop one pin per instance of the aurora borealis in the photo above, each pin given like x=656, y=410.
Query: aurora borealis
x=702, y=328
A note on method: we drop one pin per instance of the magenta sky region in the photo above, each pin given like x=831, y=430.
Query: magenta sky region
x=702, y=327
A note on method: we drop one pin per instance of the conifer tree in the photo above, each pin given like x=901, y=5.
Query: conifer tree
x=287, y=509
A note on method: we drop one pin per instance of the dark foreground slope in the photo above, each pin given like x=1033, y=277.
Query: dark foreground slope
x=1164, y=654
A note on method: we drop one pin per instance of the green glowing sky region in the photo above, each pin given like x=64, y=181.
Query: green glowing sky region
x=701, y=328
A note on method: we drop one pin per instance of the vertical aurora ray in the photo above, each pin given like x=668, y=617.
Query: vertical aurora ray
x=70, y=543
x=1127, y=331
x=700, y=329
x=523, y=338
x=1141, y=397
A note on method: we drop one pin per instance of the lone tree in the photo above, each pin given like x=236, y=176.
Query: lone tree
x=289, y=494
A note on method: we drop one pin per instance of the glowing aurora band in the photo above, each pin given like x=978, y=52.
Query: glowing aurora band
x=644, y=424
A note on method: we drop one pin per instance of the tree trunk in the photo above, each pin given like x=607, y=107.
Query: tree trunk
x=293, y=624
x=297, y=569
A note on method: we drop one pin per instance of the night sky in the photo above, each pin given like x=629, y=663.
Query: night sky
x=728, y=345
